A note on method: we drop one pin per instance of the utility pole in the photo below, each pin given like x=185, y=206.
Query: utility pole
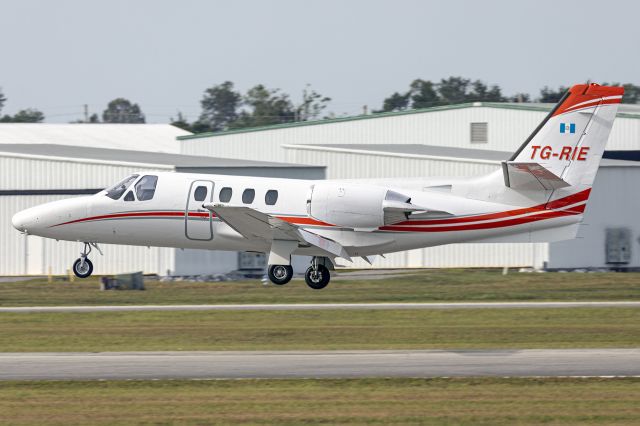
x=86, y=113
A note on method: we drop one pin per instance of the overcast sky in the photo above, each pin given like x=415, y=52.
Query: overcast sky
x=58, y=55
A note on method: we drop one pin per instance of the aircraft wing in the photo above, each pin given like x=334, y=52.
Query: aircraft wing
x=255, y=225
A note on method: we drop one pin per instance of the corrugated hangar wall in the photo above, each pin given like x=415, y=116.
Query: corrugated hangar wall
x=22, y=172
x=613, y=206
x=508, y=127
x=348, y=165
x=34, y=255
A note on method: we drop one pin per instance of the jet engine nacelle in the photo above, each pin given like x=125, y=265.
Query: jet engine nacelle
x=358, y=206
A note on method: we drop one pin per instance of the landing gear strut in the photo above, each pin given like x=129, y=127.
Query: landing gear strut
x=317, y=276
x=280, y=274
x=82, y=267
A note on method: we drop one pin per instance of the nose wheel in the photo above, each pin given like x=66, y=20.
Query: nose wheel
x=317, y=276
x=82, y=267
x=280, y=274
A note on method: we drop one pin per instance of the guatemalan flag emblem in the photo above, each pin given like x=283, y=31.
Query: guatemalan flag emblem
x=567, y=127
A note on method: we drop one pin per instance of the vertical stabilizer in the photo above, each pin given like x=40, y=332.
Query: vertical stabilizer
x=564, y=152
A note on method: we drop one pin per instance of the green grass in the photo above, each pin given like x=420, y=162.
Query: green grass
x=339, y=329
x=420, y=286
x=355, y=401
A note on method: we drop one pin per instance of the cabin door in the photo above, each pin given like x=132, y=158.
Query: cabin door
x=198, y=221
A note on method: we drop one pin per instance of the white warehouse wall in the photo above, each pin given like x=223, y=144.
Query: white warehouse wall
x=614, y=203
x=362, y=165
x=508, y=127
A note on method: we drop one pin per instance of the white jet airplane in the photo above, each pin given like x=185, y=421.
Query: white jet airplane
x=538, y=195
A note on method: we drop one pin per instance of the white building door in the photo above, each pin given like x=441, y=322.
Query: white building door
x=197, y=219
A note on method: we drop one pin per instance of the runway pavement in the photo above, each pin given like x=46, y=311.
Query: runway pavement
x=323, y=306
x=319, y=364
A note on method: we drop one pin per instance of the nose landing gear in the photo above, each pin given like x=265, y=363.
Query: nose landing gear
x=82, y=267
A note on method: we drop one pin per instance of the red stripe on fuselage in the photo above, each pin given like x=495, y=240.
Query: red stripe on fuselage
x=134, y=215
x=556, y=204
x=489, y=225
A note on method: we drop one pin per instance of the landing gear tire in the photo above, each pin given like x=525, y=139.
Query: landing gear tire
x=280, y=274
x=317, y=278
x=82, y=269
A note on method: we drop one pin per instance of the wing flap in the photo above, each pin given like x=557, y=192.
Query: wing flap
x=255, y=225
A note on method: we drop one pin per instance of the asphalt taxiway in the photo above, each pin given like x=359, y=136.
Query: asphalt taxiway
x=320, y=364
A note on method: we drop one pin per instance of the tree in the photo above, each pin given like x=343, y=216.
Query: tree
x=220, y=105
x=631, y=94
x=267, y=106
x=552, y=96
x=28, y=115
x=520, y=97
x=121, y=110
x=181, y=122
x=3, y=99
x=423, y=94
x=313, y=103
x=395, y=102
x=93, y=119
x=480, y=92
x=453, y=90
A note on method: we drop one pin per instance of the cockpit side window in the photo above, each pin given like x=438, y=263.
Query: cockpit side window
x=116, y=191
x=146, y=187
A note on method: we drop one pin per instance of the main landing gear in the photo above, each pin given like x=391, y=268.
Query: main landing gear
x=82, y=267
x=317, y=276
x=280, y=274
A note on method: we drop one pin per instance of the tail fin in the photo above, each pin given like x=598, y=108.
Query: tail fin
x=566, y=148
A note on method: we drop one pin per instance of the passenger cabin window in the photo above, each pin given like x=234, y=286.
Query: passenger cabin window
x=200, y=194
x=271, y=197
x=129, y=196
x=225, y=194
x=116, y=191
x=146, y=187
x=248, y=195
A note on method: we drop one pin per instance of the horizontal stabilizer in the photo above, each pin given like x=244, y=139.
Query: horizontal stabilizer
x=518, y=175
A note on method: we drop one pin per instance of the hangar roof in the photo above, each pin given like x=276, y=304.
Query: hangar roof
x=120, y=156
x=624, y=111
x=138, y=137
x=434, y=152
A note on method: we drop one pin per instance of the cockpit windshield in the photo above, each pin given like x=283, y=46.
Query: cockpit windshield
x=118, y=189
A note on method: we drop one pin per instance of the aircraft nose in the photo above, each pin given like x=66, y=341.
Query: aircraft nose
x=28, y=220
x=20, y=221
